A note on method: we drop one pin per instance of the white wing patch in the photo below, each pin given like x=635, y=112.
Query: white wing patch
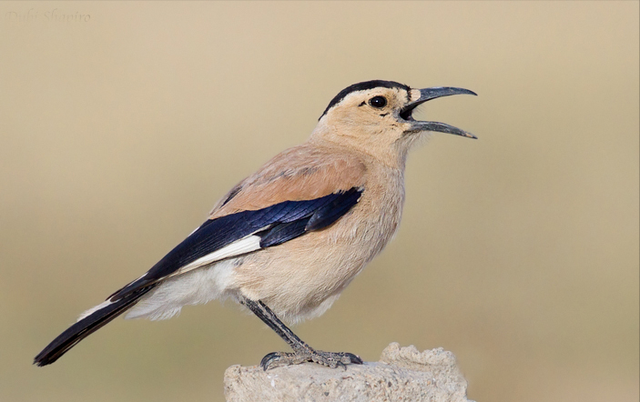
x=242, y=246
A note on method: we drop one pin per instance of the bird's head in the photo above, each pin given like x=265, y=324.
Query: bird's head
x=375, y=117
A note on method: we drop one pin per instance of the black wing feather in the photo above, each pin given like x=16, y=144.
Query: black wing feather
x=309, y=219
x=283, y=232
x=333, y=210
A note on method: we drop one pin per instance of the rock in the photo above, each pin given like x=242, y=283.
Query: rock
x=402, y=374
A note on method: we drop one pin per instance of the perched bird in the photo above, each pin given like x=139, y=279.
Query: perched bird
x=288, y=239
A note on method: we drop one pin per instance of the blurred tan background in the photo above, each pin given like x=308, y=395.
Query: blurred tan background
x=121, y=124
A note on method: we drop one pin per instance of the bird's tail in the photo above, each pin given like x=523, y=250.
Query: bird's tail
x=88, y=323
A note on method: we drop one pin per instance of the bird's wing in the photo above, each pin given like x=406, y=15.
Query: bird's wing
x=299, y=191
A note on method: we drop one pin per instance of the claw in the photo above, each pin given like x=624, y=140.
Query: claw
x=355, y=359
x=266, y=361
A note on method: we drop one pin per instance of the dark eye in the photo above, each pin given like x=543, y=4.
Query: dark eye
x=378, y=102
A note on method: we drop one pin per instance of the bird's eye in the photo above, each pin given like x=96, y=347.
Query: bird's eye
x=378, y=102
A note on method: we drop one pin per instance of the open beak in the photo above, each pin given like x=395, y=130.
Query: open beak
x=427, y=94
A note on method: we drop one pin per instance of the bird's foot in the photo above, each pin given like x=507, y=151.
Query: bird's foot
x=329, y=359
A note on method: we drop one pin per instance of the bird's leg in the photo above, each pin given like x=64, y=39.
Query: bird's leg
x=301, y=351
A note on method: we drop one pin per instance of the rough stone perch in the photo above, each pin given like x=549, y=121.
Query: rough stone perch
x=402, y=374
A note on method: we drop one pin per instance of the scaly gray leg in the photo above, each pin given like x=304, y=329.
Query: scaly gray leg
x=301, y=351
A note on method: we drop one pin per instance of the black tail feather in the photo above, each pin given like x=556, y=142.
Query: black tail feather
x=86, y=327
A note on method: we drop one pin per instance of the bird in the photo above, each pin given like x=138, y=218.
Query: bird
x=286, y=241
